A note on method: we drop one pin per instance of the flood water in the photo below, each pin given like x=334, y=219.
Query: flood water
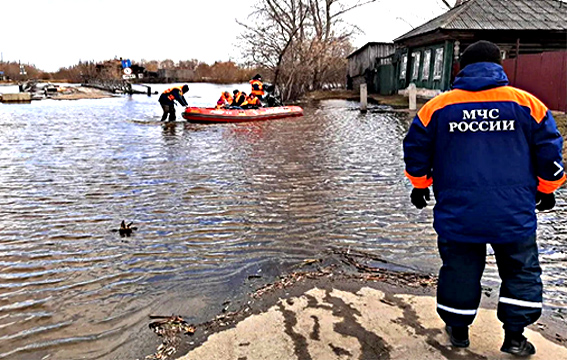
x=212, y=203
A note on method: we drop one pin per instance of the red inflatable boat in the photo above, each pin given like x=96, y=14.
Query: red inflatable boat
x=210, y=115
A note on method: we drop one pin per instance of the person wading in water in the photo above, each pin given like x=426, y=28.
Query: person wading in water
x=167, y=101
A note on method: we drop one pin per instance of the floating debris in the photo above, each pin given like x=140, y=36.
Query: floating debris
x=169, y=328
x=125, y=230
x=379, y=274
x=294, y=277
x=307, y=262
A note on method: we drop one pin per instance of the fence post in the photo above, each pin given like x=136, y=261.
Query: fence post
x=363, y=97
x=412, y=94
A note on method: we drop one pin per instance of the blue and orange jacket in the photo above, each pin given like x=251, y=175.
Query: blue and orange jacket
x=487, y=148
x=174, y=93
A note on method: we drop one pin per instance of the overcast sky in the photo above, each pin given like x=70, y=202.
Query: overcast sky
x=58, y=33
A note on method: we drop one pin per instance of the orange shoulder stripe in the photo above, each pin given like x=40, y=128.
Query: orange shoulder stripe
x=547, y=187
x=499, y=94
x=420, y=182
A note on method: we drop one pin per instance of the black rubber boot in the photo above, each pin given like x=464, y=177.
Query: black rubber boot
x=459, y=335
x=517, y=344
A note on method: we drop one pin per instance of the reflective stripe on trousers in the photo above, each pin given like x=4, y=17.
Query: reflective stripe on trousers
x=459, y=289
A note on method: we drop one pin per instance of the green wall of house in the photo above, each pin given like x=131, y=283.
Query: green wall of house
x=435, y=75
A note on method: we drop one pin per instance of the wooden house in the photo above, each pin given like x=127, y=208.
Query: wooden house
x=429, y=54
x=363, y=66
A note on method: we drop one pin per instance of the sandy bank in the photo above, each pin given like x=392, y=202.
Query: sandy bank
x=337, y=316
x=334, y=322
x=80, y=92
x=350, y=309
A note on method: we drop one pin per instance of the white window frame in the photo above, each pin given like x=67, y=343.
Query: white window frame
x=404, y=66
x=416, y=58
x=438, y=68
x=426, y=65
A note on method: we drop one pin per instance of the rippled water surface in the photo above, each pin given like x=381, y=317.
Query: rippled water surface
x=212, y=203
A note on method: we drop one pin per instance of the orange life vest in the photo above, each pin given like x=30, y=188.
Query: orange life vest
x=170, y=95
x=238, y=97
x=259, y=85
x=253, y=101
x=235, y=98
x=226, y=99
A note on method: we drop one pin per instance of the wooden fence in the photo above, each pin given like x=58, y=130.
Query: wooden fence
x=544, y=75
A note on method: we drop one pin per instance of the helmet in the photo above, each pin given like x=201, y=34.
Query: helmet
x=257, y=77
x=185, y=88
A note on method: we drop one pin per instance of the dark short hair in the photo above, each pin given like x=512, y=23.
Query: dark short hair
x=185, y=88
x=481, y=51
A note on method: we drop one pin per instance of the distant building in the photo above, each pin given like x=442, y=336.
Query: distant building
x=429, y=54
x=363, y=65
x=175, y=75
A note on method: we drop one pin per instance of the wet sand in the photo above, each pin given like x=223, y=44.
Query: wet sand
x=350, y=310
x=81, y=92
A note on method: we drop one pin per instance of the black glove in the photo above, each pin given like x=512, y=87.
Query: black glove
x=418, y=197
x=544, y=201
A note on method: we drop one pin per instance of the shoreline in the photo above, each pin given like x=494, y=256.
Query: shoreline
x=78, y=92
x=343, y=297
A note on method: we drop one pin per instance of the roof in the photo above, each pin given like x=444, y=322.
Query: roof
x=498, y=15
x=369, y=44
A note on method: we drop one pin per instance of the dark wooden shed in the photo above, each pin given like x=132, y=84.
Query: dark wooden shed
x=363, y=65
x=429, y=54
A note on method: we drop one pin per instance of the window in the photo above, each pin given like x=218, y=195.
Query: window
x=426, y=64
x=404, y=66
x=438, y=69
x=416, y=57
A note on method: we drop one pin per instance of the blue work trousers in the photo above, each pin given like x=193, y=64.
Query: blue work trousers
x=459, y=289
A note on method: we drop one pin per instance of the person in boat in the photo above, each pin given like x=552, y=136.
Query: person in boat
x=257, y=87
x=239, y=100
x=167, y=101
x=224, y=101
x=271, y=98
x=253, y=102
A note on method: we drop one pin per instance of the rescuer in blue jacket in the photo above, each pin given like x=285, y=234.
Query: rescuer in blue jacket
x=167, y=101
x=493, y=155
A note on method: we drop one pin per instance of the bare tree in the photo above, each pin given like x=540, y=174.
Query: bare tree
x=268, y=39
x=303, y=43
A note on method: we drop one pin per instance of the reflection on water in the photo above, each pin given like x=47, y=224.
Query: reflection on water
x=212, y=204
